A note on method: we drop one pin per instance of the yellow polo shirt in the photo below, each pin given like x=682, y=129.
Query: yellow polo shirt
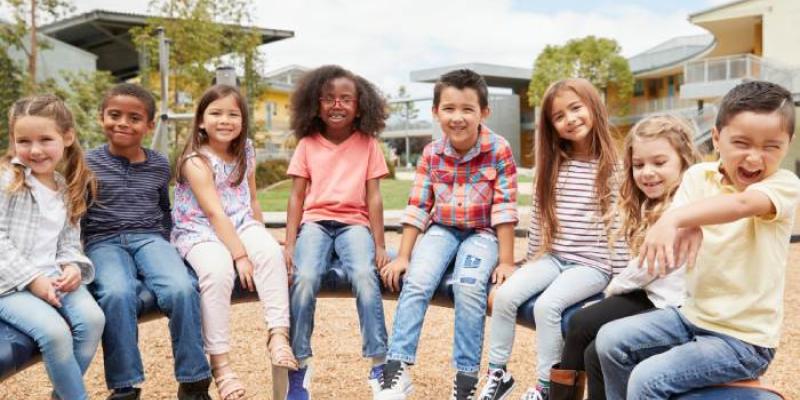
x=736, y=287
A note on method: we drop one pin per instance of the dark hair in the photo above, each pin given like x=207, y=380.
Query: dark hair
x=758, y=97
x=462, y=79
x=135, y=91
x=199, y=137
x=372, y=109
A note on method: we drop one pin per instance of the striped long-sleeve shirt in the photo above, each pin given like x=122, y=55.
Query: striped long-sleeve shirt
x=582, y=236
x=131, y=197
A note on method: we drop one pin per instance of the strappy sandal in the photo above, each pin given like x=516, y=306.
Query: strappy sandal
x=229, y=385
x=280, y=351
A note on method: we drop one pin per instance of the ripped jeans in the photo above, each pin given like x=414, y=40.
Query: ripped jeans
x=475, y=256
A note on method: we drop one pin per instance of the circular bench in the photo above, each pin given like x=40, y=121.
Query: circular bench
x=18, y=351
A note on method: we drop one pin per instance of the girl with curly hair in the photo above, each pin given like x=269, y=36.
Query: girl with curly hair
x=335, y=208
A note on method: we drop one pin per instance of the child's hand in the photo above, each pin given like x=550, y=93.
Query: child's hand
x=659, y=246
x=688, y=244
x=392, y=272
x=502, y=272
x=69, y=280
x=44, y=288
x=245, y=270
x=288, y=254
x=381, y=258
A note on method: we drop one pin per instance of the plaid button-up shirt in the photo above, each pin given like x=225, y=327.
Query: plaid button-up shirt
x=19, y=224
x=476, y=191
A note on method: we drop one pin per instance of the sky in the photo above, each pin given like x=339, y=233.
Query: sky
x=385, y=40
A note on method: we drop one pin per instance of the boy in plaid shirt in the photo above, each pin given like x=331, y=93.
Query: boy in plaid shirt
x=464, y=200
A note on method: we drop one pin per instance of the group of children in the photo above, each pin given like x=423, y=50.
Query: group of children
x=691, y=257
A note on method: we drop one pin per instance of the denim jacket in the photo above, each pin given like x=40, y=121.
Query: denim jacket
x=19, y=224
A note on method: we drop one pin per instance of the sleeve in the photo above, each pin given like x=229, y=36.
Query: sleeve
x=166, y=210
x=70, y=251
x=504, y=200
x=631, y=278
x=783, y=190
x=377, y=162
x=298, y=166
x=420, y=200
x=16, y=271
x=688, y=191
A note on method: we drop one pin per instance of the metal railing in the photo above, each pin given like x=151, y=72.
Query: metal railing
x=662, y=104
x=739, y=67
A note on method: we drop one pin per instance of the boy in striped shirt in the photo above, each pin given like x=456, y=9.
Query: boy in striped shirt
x=464, y=200
x=124, y=233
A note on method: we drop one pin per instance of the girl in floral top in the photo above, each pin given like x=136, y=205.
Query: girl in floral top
x=218, y=228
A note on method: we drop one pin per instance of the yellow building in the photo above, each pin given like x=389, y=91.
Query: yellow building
x=271, y=112
x=749, y=40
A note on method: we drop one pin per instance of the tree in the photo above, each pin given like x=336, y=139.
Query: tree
x=596, y=59
x=10, y=91
x=404, y=110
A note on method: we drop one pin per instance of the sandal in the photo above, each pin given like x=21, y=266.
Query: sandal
x=229, y=386
x=280, y=351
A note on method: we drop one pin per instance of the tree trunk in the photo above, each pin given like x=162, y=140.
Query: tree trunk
x=33, y=54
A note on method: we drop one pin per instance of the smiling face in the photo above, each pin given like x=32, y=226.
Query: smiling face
x=751, y=147
x=459, y=114
x=222, y=121
x=39, y=144
x=125, y=123
x=573, y=121
x=656, y=166
x=338, y=105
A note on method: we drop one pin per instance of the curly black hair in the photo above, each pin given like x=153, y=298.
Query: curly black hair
x=135, y=91
x=305, y=121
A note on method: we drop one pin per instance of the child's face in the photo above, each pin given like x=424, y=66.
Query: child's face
x=222, y=120
x=751, y=147
x=656, y=166
x=125, y=122
x=39, y=144
x=338, y=105
x=573, y=120
x=459, y=114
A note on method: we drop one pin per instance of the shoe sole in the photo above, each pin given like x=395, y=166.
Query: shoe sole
x=406, y=392
x=508, y=392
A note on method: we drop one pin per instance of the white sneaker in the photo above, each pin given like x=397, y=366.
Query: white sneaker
x=499, y=384
x=396, y=381
x=375, y=379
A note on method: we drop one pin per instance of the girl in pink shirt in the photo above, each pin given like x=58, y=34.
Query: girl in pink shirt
x=335, y=208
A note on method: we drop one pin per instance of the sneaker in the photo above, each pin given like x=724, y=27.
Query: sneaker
x=537, y=393
x=464, y=387
x=396, y=383
x=197, y=390
x=298, y=384
x=125, y=394
x=499, y=384
x=375, y=379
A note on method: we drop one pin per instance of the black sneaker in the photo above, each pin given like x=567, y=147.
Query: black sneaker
x=464, y=387
x=125, y=394
x=499, y=384
x=194, y=390
x=396, y=381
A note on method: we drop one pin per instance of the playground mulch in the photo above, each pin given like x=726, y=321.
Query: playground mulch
x=340, y=372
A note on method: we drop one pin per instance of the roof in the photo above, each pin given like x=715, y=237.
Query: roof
x=495, y=75
x=716, y=8
x=105, y=34
x=671, y=53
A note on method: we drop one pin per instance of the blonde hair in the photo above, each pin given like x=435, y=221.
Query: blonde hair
x=638, y=211
x=79, y=178
x=552, y=151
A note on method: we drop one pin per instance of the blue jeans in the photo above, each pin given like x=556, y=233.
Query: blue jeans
x=355, y=248
x=67, y=336
x=660, y=354
x=119, y=262
x=475, y=259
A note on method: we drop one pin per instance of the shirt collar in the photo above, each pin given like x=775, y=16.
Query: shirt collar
x=716, y=174
x=60, y=182
x=483, y=145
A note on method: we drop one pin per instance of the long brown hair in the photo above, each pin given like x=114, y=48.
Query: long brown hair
x=79, y=178
x=638, y=211
x=199, y=137
x=552, y=151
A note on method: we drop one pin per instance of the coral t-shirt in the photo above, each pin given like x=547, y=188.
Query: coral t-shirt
x=338, y=175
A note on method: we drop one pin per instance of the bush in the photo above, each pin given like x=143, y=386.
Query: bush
x=271, y=171
x=388, y=155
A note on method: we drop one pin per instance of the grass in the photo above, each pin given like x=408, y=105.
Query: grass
x=394, y=192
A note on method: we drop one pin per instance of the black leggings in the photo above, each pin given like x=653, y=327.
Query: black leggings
x=579, y=352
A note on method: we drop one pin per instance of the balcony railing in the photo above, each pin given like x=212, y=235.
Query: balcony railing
x=662, y=104
x=709, y=76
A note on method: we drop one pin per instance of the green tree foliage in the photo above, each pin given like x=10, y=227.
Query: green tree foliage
x=405, y=110
x=10, y=90
x=596, y=59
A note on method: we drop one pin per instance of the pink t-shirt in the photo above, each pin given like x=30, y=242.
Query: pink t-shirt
x=338, y=175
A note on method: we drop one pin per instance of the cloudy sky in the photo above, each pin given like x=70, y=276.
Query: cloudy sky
x=385, y=40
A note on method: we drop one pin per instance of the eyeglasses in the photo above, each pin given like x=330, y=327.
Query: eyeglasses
x=331, y=101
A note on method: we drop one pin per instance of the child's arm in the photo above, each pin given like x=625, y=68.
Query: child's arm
x=201, y=181
x=375, y=207
x=294, y=214
x=505, y=262
x=75, y=266
x=166, y=210
x=504, y=212
x=392, y=272
x=254, y=205
x=664, y=239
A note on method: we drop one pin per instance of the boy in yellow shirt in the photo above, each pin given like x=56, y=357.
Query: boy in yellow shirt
x=736, y=217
